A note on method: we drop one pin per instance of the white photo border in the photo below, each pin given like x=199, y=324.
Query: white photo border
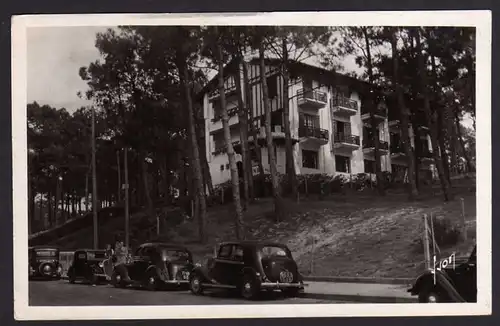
x=480, y=19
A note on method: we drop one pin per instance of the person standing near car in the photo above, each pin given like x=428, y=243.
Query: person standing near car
x=121, y=254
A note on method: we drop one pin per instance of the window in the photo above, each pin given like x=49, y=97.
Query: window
x=309, y=159
x=369, y=166
x=237, y=253
x=309, y=120
x=272, y=86
x=342, y=163
x=225, y=251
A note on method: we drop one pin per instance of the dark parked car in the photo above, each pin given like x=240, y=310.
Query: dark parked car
x=249, y=267
x=44, y=262
x=88, y=265
x=155, y=265
x=455, y=282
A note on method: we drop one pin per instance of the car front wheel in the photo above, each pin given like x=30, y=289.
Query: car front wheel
x=431, y=295
x=195, y=285
x=117, y=280
x=151, y=281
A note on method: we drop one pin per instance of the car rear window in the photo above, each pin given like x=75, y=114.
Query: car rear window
x=97, y=255
x=175, y=254
x=46, y=253
x=274, y=251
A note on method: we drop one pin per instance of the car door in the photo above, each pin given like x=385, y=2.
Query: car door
x=235, y=265
x=80, y=267
x=219, y=271
x=470, y=278
x=134, y=264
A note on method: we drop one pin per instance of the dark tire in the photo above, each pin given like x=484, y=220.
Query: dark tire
x=71, y=276
x=117, y=280
x=432, y=295
x=195, y=284
x=291, y=292
x=151, y=281
x=93, y=278
x=249, y=288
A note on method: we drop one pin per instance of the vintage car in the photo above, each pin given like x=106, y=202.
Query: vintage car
x=88, y=265
x=454, y=281
x=155, y=265
x=44, y=262
x=249, y=267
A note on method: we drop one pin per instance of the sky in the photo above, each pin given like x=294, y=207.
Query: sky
x=55, y=54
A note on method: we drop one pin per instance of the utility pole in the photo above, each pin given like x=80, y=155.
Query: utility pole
x=127, y=219
x=94, y=183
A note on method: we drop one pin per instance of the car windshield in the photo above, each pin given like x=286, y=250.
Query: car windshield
x=174, y=254
x=274, y=251
x=46, y=253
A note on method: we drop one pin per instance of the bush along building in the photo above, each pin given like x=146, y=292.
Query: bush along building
x=330, y=124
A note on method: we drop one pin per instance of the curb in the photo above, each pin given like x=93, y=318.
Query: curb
x=359, y=298
x=369, y=280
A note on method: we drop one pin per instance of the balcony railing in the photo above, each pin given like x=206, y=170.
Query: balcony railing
x=346, y=138
x=310, y=95
x=344, y=102
x=220, y=149
x=378, y=112
x=370, y=143
x=231, y=112
x=313, y=132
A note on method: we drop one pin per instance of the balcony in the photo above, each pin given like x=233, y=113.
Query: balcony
x=345, y=141
x=233, y=119
x=313, y=135
x=397, y=151
x=426, y=155
x=369, y=146
x=343, y=106
x=311, y=99
x=221, y=149
x=379, y=115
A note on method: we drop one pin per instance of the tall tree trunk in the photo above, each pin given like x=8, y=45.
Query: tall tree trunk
x=118, y=169
x=229, y=146
x=243, y=129
x=207, y=177
x=404, y=113
x=290, y=161
x=442, y=143
x=146, y=183
x=278, y=203
x=470, y=166
x=373, y=108
x=196, y=162
x=253, y=130
x=431, y=121
x=48, y=219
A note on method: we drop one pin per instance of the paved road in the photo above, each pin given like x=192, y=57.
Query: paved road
x=61, y=293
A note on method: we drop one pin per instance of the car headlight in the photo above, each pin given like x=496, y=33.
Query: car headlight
x=101, y=264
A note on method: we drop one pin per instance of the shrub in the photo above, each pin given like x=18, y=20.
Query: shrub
x=445, y=232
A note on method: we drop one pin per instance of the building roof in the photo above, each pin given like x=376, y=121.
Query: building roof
x=325, y=76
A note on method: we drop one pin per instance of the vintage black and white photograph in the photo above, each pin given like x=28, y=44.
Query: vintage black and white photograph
x=231, y=165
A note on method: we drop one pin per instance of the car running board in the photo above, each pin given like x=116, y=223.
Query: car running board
x=222, y=286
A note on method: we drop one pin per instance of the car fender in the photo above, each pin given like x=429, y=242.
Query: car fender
x=162, y=273
x=251, y=271
x=202, y=273
x=442, y=280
